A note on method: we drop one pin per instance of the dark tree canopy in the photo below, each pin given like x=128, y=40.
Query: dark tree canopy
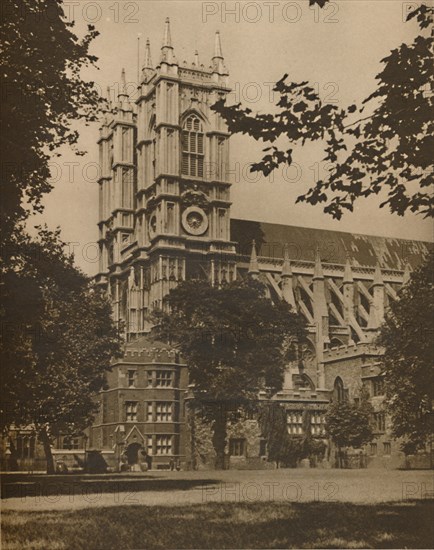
x=282, y=448
x=383, y=146
x=407, y=336
x=236, y=342
x=57, y=341
x=43, y=92
x=348, y=424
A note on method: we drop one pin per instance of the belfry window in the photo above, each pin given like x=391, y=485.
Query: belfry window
x=192, y=147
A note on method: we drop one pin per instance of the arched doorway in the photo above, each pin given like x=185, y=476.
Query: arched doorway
x=132, y=452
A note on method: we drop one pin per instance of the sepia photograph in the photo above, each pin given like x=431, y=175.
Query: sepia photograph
x=217, y=274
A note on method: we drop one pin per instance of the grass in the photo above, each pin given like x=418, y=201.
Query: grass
x=155, y=487
x=25, y=485
x=224, y=525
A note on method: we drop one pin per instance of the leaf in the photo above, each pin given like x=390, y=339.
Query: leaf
x=368, y=154
x=320, y=3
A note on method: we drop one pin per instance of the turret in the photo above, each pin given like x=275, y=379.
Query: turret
x=105, y=120
x=220, y=72
x=348, y=294
x=167, y=53
x=378, y=293
x=320, y=303
x=147, y=69
x=109, y=100
x=348, y=272
x=286, y=277
x=253, y=265
x=321, y=315
x=348, y=290
x=123, y=102
x=373, y=322
x=317, y=271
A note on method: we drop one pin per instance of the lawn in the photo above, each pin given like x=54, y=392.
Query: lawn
x=299, y=508
x=37, y=492
x=224, y=525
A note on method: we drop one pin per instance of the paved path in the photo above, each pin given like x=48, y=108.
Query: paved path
x=290, y=485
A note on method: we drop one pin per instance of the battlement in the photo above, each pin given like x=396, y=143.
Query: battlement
x=346, y=351
x=152, y=355
x=190, y=70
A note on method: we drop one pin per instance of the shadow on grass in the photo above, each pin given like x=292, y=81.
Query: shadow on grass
x=24, y=485
x=225, y=525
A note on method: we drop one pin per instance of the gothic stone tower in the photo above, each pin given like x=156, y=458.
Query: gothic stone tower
x=164, y=218
x=164, y=196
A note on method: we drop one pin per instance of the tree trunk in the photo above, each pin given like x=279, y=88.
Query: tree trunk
x=47, y=450
x=219, y=438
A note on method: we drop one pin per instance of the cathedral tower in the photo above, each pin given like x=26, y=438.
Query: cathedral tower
x=164, y=203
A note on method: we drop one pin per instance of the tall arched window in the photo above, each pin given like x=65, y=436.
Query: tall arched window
x=338, y=390
x=192, y=147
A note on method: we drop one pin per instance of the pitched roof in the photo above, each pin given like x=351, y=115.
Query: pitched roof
x=363, y=250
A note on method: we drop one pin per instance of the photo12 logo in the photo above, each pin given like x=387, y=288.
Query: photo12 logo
x=269, y=12
x=92, y=12
x=253, y=491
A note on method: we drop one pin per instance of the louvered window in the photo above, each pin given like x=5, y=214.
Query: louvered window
x=192, y=147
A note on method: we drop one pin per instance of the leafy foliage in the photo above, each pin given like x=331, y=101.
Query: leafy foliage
x=383, y=146
x=283, y=448
x=42, y=59
x=348, y=424
x=235, y=341
x=57, y=341
x=273, y=423
x=57, y=337
x=407, y=336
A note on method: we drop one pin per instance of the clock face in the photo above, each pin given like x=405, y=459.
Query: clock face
x=194, y=220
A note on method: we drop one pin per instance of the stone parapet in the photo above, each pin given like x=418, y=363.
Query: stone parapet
x=151, y=355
